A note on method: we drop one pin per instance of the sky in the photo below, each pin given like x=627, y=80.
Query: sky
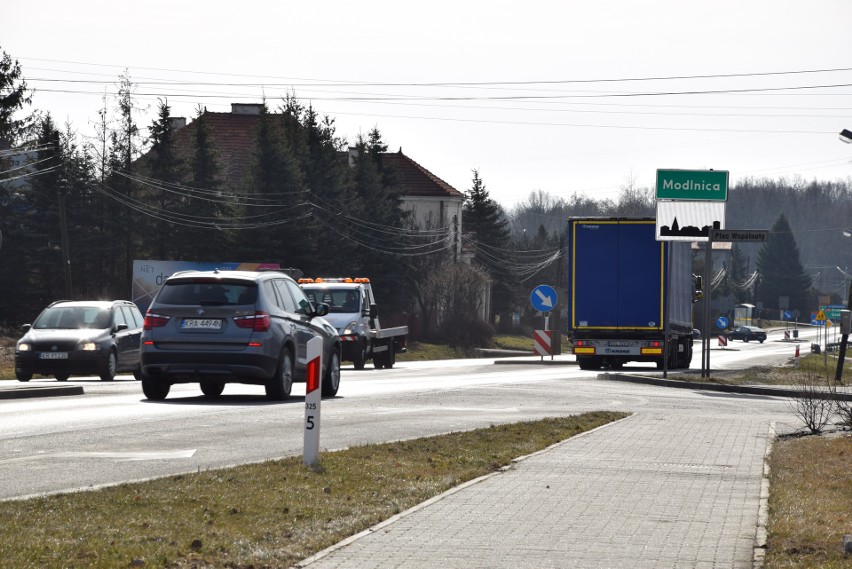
x=563, y=97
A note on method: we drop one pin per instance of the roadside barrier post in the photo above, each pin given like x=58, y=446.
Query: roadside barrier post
x=542, y=340
x=797, y=356
x=313, y=397
x=723, y=340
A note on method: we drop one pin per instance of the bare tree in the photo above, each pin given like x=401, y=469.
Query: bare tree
x=814, y=404
x=460, y=294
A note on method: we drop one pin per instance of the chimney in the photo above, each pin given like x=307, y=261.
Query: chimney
x=177, y=123
x=246, y=108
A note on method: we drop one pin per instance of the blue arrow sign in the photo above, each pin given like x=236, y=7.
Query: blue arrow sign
x=788, y=315
x=721, y=323
x=543, y=298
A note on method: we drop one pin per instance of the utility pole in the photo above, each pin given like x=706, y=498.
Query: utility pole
x=63, y=229
x=456, y=238
x=844, y=340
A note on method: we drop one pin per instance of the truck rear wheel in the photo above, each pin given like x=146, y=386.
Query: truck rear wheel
x=587, y=362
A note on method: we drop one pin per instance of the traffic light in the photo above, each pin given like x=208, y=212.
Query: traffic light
x=697, y=286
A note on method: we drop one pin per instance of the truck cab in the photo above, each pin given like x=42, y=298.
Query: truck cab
x=354, y=312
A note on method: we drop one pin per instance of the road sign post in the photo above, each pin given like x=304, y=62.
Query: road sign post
x=690, y=205
x=544, y=298
x=313, y=398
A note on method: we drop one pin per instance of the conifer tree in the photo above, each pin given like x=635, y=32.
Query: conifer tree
x=13, y=96
x=486, y=223
x=279, y=192
x=41, y=228
x=380, y=204
x=166, y=172
x=781, y=272
x=330, y=192
x=211, y=205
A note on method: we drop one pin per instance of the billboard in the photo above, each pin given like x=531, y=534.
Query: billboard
x=149, y=276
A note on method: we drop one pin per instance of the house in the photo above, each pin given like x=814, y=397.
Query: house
x=432, y=201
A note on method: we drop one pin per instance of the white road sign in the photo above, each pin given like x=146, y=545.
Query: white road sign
x=689, y=220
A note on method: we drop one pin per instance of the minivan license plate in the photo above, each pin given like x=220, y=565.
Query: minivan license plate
x=53, y=355
x=201, y=323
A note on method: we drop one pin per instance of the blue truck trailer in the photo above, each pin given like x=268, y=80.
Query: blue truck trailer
x=626, y=293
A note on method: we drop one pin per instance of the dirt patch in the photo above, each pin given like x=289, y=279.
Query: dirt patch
x=7, y=351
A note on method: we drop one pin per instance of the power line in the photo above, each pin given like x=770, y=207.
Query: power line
x=338, y=82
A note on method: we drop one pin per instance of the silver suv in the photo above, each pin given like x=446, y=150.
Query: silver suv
x=218, y=327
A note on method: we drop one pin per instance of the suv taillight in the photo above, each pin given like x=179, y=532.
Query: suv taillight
x=259, y=321
x=154, y=320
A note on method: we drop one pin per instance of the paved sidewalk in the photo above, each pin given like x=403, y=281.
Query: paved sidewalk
x=651, y=491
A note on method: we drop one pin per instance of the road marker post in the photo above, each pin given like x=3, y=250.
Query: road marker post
x=797, y=356
x=313, y=397
x=723, y=340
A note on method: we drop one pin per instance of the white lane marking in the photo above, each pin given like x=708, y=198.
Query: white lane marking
x=442, y=408
x=120, y=456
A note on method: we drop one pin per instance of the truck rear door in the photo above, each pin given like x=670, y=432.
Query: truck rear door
x=616, y=275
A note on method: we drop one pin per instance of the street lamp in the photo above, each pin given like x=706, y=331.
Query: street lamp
x=845, y=136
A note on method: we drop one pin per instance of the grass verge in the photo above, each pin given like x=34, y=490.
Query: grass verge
x=424, y=351
x=778, y=375
x=810, y=502
x=271, y=514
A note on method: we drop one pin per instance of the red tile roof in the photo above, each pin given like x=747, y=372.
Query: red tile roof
x=234, y=136
x=416, y=180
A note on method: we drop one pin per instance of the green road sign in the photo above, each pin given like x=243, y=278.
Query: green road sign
x=704, y=185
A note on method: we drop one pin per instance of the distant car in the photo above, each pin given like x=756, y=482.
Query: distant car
x=747, y=334
x=81, y=338
x=217, y=327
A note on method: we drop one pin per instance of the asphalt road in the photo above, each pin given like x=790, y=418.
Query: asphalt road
x=111, y=434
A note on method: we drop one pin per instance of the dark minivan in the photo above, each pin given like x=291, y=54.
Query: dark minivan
x=84, y=337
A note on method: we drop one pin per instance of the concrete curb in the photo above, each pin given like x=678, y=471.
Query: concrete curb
x=26, y=392
x=759, y=553
x=746, y=389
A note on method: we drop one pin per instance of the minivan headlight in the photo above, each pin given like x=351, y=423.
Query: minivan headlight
x=88, y=346
x=350, y=328
x=24, y=347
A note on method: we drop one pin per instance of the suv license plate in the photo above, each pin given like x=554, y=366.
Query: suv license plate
x=201, y=323
x=53, y=355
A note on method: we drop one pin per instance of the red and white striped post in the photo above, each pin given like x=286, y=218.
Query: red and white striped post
x=542, y=343
x=797, y=356
x=313, y=397
x=723, y=340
